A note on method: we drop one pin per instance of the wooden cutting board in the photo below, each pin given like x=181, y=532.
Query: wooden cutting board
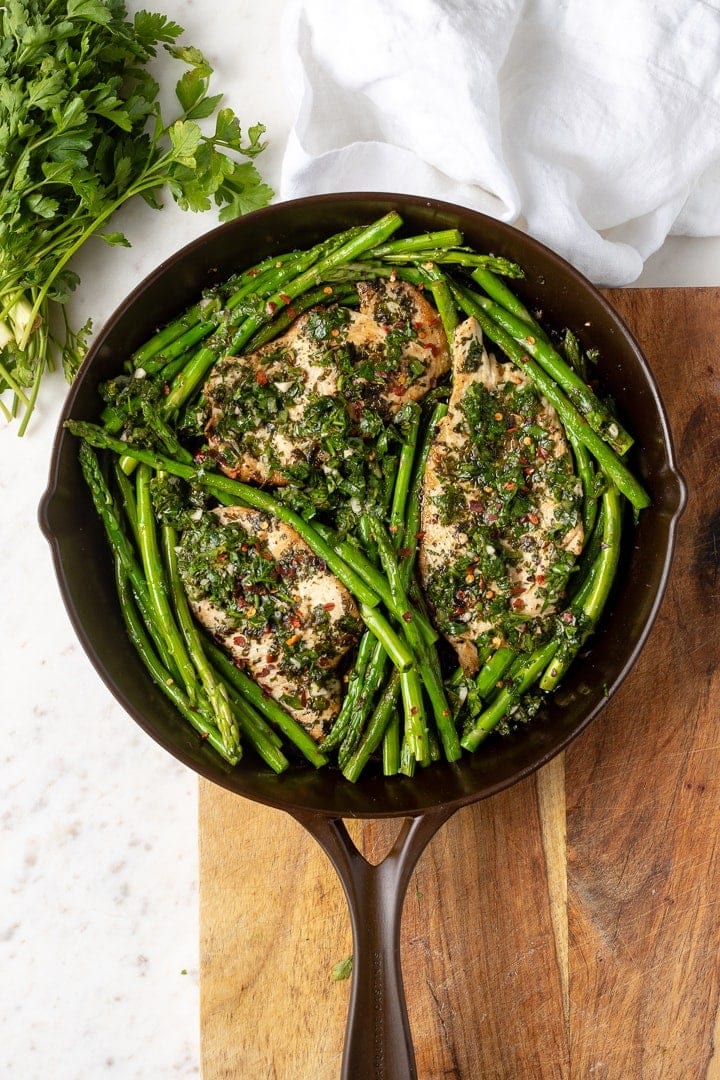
x=568, y=928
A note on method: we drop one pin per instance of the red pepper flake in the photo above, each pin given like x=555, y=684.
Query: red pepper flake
x=204, y=735
x=420, y=535
x=407, y=616
x=509, y=485
x=540, y=579
x=271, y=307
x=292, y=312
x=252, y=273
x=303, y=698
x=295, y=621
x=329, y=607
x=261, y=378
x=328, y=290
x=293, y=639
x=430, y=347
x=517, y=604
x=240, y=640
x=405, y=552
x=476, y=506
x=567, y=617
x=285, y=298
x=534, y=519
x=414, y=709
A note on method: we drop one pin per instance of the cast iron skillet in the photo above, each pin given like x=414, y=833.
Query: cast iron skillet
x=378, y=1042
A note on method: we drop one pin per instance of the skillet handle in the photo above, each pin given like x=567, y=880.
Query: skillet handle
x=378, y=1045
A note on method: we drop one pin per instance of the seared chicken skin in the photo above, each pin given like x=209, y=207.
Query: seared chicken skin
x=274, y=607
x=263, y=410
x=501, y=515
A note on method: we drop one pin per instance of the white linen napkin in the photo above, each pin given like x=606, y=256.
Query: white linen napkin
x=595, y=124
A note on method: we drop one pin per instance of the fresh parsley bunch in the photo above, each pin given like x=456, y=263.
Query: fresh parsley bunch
x=81, y=133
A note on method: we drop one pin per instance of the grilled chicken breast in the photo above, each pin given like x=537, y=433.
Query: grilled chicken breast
x=274, y=606
x=501, y=522
x=263, y=409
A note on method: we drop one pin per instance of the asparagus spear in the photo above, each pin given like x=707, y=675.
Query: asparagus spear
x=288, y=288
x=590, y=603
x=159, y=674
x=575, y=424
x=353, y=694
x=267, y=706
x=157, y=586
x=578, y=392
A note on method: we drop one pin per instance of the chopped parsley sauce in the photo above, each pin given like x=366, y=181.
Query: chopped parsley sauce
x=511, y=500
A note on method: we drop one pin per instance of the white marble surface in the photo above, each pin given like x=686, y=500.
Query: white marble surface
x=98, y=903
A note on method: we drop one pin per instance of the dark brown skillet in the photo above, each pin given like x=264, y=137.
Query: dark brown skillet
x=378, y=1042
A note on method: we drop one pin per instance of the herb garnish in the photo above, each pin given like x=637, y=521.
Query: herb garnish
x=81, y=133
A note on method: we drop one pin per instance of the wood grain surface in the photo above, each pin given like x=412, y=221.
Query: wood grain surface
x=568, y=928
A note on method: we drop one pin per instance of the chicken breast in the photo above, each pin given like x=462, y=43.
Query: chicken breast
x=274, y=606
x=501, y=514
x=264, y=410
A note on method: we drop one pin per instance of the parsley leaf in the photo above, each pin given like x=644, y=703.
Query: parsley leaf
x=82, y=133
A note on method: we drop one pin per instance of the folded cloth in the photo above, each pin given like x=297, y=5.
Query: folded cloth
x=594, y=124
